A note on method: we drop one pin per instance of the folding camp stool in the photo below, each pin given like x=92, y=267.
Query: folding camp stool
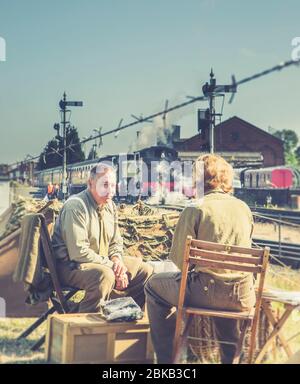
x=60, y=295
x=290, y=301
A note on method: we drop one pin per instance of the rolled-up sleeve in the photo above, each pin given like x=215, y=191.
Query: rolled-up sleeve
x=75, y=235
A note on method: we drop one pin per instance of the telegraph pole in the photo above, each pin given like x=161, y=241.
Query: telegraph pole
x=212, y=114
x=211, y=90
x=63, y=104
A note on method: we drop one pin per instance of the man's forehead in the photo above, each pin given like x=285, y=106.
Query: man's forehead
x=109, y=175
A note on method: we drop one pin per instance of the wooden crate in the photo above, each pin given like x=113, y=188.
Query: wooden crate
x=87, y=338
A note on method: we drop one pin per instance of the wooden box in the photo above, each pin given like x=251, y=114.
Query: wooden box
x=87, y=338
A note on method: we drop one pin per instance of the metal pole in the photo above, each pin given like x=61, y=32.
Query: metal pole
x=64, y=173
x=211, y=95
x=212, y=122
x=279, y=235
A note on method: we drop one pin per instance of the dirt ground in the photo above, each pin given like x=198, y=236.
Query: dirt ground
x=269, y=231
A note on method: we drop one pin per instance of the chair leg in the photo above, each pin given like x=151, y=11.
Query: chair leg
x=38, y=344
x=277, y=328
x=180, y=341
x=36, y=324
x=55, y=308
x=237, y=355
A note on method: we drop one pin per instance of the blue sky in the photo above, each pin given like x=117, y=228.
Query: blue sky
x=123, y=57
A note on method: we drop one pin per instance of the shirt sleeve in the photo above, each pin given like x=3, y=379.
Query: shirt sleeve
x=116, y=242
x=187, y=225
x=75, y=235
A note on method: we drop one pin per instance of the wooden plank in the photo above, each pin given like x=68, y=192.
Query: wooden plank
x=130, y=346
x=240, y=315
x=223, y=265
x=56, y=341
x=48, y=339
x=266, y=255
x=110, y=349
x=90, y=348
x=208, y=245
x=225, y=256
x=64, y=343
x=69, y=351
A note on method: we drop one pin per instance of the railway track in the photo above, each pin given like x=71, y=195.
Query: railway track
x=291, y=216
x=286, y=253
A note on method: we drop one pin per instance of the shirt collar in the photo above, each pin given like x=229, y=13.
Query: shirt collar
x=94, y=203
x=216, y=190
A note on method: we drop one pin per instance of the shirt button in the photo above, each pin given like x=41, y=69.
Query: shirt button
x=205, y=288
x=212, y=281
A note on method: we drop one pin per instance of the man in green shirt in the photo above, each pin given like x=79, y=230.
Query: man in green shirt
x=89, y=248
x=220, y=218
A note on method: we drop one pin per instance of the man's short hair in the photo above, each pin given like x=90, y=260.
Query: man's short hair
x=101, y=169
x=218, y=173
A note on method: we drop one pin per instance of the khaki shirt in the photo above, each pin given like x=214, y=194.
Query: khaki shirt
x=220, y=218
x=76, y=233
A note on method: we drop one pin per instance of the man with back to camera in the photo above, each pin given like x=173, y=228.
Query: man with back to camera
x=219, y=218
x=89, y=248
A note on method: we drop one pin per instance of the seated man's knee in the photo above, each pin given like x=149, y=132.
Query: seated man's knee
x=147, y=270
x=102, y=275
x=152, y=283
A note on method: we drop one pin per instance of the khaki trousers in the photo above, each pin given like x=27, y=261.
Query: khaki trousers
x=98, y=281
x=162, y=294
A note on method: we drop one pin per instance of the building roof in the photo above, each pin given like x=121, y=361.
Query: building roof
x=223, y=124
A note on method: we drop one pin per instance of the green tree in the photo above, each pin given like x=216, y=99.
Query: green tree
x=75, y=154
x=52, y=155
x=290, y=142
x=297, y=154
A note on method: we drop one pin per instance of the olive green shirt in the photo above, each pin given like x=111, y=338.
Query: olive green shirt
x=77, y=231
x=219, y=218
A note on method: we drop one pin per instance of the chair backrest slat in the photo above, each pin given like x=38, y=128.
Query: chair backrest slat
x=215, y=264
x=207, y=245
x=225, y=256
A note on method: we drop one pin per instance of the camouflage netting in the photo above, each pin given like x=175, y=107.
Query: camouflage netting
x=147, y=233
x=23, y=206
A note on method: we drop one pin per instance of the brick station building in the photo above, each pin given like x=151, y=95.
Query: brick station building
x=235, y=139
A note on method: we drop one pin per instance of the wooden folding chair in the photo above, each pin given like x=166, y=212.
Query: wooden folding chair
x=220, y=256
x=60, y=295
